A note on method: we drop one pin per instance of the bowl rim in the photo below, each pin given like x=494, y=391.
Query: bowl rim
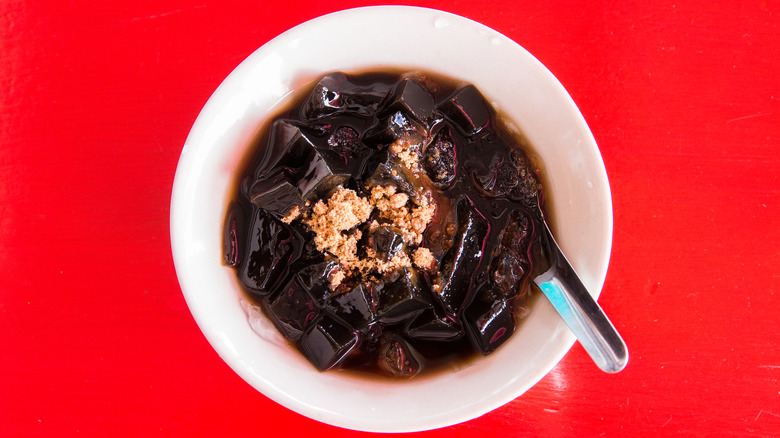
x=216, y=114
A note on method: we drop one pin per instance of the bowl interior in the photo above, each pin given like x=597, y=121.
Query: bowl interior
x=516, y=83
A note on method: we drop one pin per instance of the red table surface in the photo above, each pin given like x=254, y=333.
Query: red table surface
x=96, y=102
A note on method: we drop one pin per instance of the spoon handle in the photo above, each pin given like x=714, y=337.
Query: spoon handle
x=579, y=310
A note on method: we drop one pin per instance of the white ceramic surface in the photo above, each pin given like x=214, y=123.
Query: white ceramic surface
x=514, y=81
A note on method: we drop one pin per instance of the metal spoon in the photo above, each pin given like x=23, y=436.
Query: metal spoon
x=579, y=310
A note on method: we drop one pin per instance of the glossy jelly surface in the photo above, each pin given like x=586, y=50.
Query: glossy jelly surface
x=396, y=314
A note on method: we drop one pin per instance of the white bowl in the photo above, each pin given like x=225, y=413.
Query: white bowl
x=516, y=83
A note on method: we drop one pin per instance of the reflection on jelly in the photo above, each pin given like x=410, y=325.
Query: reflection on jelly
x=426, y=137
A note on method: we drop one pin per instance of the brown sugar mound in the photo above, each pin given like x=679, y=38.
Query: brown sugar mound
x=423, y=259
x=410, y=216
x=335, y=222
x=408, y=153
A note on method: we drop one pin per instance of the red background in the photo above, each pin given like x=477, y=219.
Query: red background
x=97, y=98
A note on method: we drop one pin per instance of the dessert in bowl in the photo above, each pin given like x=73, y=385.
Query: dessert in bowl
x=530, y=101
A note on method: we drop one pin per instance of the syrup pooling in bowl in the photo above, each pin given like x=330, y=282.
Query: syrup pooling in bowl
x=387, y=222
